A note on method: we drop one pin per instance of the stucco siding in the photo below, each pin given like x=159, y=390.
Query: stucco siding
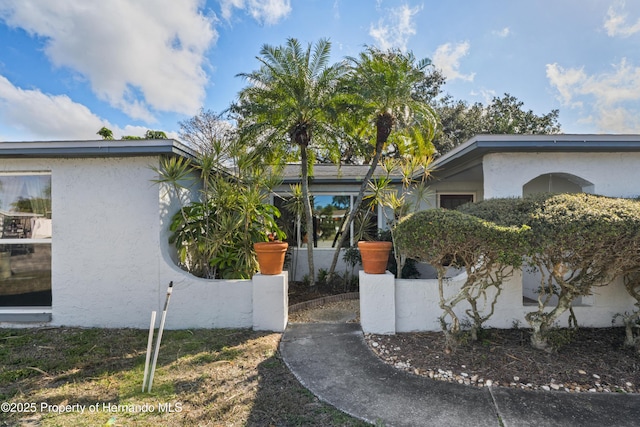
x=111, y=260
x=612, y=174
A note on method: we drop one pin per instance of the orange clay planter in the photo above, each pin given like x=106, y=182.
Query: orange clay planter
x=375, y=256
x=270, y=256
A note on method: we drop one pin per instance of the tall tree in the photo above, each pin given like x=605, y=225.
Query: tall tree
x=506, y=115
x=387, y=92
x=207, y=131
x=289, y=104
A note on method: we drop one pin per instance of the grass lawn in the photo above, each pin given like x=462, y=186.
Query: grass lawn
x=204, y=378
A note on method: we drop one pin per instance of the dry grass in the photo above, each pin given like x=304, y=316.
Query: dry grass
x=204, y=378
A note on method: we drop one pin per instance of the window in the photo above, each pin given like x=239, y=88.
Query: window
x=25, y=240
x=330, y=212
x=452, y=201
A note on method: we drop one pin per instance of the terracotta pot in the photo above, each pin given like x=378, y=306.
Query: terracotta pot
x=375, y=256
x=270, y=256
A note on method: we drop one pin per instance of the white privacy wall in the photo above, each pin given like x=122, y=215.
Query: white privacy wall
x=388, y=306
x=612, y=174
x=111, y=262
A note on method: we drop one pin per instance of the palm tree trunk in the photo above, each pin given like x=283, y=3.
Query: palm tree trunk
x=384, y=124
x=306, y=201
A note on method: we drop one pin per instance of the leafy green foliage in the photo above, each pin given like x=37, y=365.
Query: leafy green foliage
x=506, y=115
x=291, y=104
x=105, y=133
x=440, y=236
x=214, y=234
x=578, y=241
x=488, y=253
x=387, y=89
x=399, y=201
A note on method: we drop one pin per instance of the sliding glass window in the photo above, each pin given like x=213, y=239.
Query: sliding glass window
x=25, y=239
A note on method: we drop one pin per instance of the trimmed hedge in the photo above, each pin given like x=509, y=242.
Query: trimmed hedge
x=439, y=235
x=488, y=253
x=578, y=241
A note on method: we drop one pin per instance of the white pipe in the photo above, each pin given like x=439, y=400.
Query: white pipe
x=149, y=347
x=155, y=355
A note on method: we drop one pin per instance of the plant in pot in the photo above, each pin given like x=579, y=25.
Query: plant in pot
x=271, y=253
x=223, y=211
x=396, y=202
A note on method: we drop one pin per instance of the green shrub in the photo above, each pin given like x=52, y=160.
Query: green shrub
x=506, y=211
x=438, y=235
x=577, y=242
x=488, y=253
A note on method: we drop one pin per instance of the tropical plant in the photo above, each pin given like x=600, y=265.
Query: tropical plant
x=396, y=200
x=288, y=107
x=384, y=89
x=214, y=234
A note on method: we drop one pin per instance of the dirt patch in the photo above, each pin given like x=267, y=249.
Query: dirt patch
x=341, y=311
x=590, y=360
x=587, y=360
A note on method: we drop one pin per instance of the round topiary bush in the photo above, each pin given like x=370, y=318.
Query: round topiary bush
x=488, y=253
x=577, y=242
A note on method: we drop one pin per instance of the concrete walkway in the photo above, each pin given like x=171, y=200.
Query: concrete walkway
x=333, y=361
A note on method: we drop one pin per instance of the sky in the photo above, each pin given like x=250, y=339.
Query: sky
x=69, y=67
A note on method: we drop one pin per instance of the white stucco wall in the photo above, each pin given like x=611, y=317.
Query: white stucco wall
x=111, y=262
x=613, y=174
x=414, y=304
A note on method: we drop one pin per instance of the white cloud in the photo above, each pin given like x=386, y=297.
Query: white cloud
x=267, y=12
x=566, y=81
x=447, y=58
x=27, y=114
x=138, y=56
x=502, y=33
x=616, y=22
x=41, y=116
x=395, y=31
x=613, y=97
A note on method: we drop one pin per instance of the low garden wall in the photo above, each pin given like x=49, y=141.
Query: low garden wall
x=389, y=305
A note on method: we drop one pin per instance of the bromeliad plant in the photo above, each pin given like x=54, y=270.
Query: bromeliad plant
x=214, y=235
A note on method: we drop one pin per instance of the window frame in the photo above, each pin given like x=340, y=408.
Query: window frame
x=29, y=313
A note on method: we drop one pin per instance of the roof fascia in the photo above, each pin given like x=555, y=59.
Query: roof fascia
x=471, y=152
x=100, y=148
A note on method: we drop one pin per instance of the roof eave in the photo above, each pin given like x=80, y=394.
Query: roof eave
x=67, y=149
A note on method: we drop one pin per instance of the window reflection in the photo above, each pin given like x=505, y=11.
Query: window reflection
x=330, y=212
x=25, y=275
x=25, y=206
x=25, y=219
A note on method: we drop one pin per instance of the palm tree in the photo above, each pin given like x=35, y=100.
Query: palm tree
x=288, y=107
x=384, y=90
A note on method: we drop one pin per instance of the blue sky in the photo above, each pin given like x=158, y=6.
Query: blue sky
x=69, y=67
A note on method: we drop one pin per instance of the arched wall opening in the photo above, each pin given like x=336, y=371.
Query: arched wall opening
x=558, y=182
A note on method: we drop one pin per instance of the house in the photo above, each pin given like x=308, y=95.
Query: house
x=84, y=242
x=490, y=166
x=84, y=228
x=486, y=166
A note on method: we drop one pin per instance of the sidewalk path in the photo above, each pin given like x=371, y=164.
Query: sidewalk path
x=333, y=361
